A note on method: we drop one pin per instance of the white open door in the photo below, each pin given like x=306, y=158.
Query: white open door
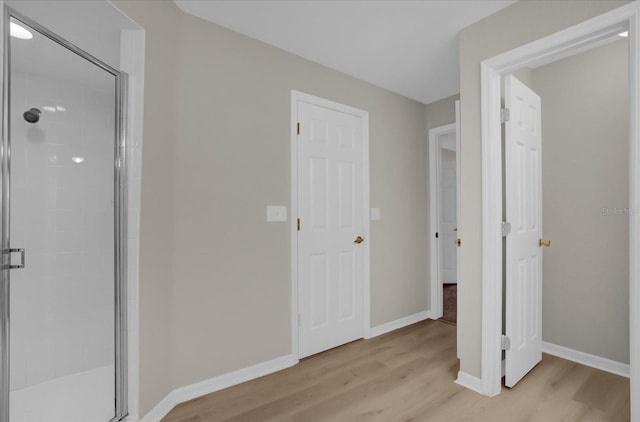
x=332, y=211
x=448, y=213
x=523, y=178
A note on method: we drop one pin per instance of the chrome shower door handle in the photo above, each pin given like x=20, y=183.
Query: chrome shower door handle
x=9, y=252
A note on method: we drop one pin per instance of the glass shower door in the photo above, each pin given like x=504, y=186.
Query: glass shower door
x=61, y=208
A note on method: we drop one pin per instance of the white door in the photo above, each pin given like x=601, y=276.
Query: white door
x=447, y=213
x=523, y=178
x=331, y=208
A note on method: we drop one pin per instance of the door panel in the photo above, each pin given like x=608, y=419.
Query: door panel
x=523, y=294
x=318, y=173
x=346, y=206
x=331, y=197
x=346, y=267
x=318, y=290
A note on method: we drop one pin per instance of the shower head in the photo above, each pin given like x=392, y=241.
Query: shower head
x=32, y=115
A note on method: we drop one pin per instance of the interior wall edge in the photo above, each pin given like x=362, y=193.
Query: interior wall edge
x=516, y=25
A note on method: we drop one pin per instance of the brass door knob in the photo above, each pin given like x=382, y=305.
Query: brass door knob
x=359, y=239
x=544, y=242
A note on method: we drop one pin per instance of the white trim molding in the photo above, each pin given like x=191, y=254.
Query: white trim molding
x=398, y=323
x=132, y=62
x=593, y=361
x=190, y=392
x=469, y=381
x=553, y=47
x=634, y=218
x=296, y=97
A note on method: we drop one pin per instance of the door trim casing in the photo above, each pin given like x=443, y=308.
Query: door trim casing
x=434, y=211
x=553, y=47
x=297, y=96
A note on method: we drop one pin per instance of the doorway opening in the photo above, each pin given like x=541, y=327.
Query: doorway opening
x=581, y=191
x=330, y=230
x=444, y=192
x=551, y=48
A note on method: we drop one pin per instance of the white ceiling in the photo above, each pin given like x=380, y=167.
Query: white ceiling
x=408, y=47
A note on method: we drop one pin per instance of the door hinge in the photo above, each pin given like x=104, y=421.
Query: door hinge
x=505, y=115
x=298, y=128
x=10, y=266
x=299, y=320
x=458, y=242
x=506, y=228
x=298, y=224
x=505, y=343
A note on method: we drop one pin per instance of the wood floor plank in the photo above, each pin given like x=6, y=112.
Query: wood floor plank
x=382, y=383
x=408, y=375
x=322, y=391
x=601, y=391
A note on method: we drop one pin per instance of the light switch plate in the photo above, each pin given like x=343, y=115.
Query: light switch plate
x=375, y=213
x=276, y=213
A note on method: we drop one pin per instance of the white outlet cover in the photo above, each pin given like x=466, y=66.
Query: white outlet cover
x=276, y=213
x=375, y=213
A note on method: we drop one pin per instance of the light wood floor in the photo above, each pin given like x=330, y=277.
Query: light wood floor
x=407, y=375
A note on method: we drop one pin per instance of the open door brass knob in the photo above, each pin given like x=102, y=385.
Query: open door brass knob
x=359, y=239
x=544, y=242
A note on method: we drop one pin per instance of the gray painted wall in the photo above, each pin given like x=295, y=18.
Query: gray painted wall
x=585, y=144
x=215, y=277
x=158, y=195
x=441, y=112
x=516, y=25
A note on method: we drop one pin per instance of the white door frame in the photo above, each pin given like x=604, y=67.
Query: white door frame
x=562, y=44
x=296, y=97
x=434, y=212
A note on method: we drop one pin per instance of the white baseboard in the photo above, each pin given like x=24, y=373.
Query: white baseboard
x=398, y=323
x=211, y=385
x=597, y=362
x=470, y=382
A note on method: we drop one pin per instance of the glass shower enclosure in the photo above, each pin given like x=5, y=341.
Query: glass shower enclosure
x=62, y=289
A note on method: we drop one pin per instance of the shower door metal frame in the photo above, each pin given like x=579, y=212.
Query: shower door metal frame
x=120, y=216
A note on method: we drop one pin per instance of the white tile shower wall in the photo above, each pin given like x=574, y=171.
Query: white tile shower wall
x=62, y=309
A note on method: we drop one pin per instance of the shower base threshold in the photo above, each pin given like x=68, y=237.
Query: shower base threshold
x=83, y=397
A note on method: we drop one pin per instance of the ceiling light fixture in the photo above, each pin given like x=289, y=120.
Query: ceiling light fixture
x=19, y=31
x=624, y=34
